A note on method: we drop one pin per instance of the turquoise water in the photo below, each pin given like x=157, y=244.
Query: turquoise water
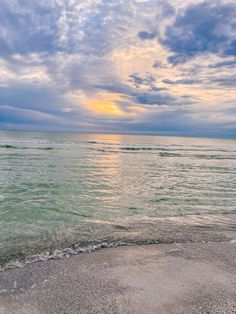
x=59, y=189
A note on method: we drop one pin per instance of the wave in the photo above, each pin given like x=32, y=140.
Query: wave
x=95, y=142
x=165, y=150
x=136, y=148
x=174, y=154
x=165, y=153
x=199, y=156
x=7, y=146
x=193, y=228
x=91, y=142
x=77, y=249
x=70, y=251
x=175, y=149
x=62, y=253
x=43, y=148
x=219, y=157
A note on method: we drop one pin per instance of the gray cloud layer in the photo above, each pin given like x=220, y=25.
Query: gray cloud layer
x=57, y=57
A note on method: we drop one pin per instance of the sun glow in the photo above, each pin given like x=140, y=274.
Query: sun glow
x=106, y=104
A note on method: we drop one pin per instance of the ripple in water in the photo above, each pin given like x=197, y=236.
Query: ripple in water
x=74, y=191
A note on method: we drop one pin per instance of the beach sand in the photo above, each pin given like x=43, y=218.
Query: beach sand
x=163, y=278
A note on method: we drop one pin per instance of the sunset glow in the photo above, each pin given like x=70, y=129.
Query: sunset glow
x=165, y=67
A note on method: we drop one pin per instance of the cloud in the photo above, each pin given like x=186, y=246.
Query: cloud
x=149, y=80
x=158, y=65
x=142, y=65
x=145, y=97
x=85, y=27
x=155, y=99
x=229, y=81
x=25, y=96
x=163, y=11
x=144, y=35
x=205, y=27
x=27, y=27
x=182, y=81
x=224, y=64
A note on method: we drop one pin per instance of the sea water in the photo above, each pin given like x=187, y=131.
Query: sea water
x=61, y=190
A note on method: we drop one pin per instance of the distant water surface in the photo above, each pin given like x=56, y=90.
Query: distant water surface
x=59, y=189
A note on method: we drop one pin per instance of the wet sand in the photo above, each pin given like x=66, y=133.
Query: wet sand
x=164, y=278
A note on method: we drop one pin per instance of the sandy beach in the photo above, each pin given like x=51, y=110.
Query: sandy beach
x=165, y=278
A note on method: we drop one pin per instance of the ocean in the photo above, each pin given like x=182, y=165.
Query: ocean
x=62, y=193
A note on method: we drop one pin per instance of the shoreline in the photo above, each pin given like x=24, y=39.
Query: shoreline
x=157, y=278
x=171, y=230
x=74, y=250
x=61, y=253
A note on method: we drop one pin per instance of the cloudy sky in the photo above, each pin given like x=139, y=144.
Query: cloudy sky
x=119, y=65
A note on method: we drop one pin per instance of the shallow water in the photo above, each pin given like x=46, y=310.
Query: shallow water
x=58, y=189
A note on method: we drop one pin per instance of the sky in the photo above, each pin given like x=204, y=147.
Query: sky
x=149, y=66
